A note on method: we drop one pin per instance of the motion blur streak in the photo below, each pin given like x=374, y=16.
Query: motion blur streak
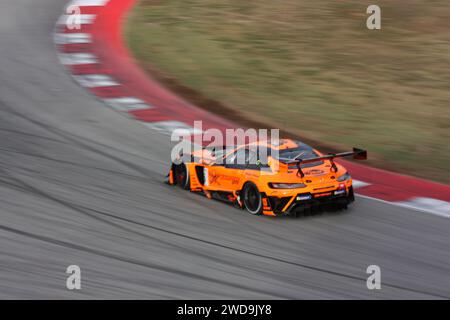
x=81, y=184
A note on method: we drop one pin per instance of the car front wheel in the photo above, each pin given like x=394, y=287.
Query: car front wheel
x=252, y=199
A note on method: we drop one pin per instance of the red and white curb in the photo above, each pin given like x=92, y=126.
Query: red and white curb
x=99, y=61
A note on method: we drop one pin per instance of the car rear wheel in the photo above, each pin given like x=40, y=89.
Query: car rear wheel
x=182, y=176
x=252, y=199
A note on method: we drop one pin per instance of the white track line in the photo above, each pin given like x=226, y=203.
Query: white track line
x=438, y=207
x=405, y=204
x=67, y=19
x=127, y=104
x=71, y=38
x=169, y=127
x=95, y=80
x=88, y=3
x=359, y=184
x=77, y=58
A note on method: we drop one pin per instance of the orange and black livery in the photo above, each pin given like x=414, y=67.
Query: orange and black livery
x=268, y=178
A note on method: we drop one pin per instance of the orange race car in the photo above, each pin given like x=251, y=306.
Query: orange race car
x=266, y=178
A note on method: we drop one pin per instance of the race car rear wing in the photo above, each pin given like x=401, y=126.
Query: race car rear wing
x=358, y=154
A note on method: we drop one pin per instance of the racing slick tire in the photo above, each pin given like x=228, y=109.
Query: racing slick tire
x=252, y=199
x=181, y=175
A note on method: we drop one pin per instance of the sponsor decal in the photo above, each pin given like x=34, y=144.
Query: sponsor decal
x=315, y=172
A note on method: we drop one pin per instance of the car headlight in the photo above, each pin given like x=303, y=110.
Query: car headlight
x=287, y=185
x=346, y=176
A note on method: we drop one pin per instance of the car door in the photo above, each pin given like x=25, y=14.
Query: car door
x=252, y=167
x=227, y=176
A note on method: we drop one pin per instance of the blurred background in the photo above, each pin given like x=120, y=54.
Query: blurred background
x=82, y=184
x=314, y=69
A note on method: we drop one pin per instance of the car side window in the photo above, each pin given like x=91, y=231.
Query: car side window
x=231, y=159
x=243, y=158
x=250, y=157
x=238, y=159
x=252, y=162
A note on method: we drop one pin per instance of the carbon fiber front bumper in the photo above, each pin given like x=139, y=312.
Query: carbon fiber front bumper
x=304, y=201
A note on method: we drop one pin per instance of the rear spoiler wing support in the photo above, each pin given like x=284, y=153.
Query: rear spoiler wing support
x=357, y=154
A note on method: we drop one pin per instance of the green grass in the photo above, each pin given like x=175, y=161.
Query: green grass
x=312, y=67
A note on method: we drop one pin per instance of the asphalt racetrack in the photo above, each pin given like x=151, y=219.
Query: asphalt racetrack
x=81, y=184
